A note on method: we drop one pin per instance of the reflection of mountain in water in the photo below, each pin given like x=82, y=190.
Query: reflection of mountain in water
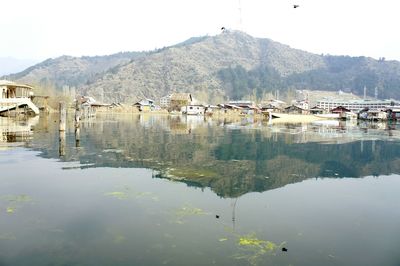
x=231, y=160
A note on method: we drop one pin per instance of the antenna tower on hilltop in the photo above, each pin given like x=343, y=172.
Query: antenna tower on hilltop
x=240, y=16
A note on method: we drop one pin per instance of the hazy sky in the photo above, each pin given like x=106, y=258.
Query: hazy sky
x=39, y=29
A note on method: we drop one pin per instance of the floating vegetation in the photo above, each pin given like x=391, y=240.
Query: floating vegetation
x=186, y=211
x=17, y=198
x=10, y=209
x=117, y=194
x=254, y=248
x=118, y=239
x=14, y=201
x=127, y=193
x=188, y=173
x=7, y=236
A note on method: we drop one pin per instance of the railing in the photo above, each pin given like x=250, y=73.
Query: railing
x=12, y=103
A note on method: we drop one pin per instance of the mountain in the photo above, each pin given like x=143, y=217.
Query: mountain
x=71, y=71
x=10, y=65
x=234, y=65
x=199, y=65
x=230, y=65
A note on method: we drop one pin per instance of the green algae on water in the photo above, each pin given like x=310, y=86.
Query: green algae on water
x=117, y=194
x=10, y=209
x=187, y=211
x=127, y=193
x=15, y=201
x=7, y=236
x=17, y=198
x=118, y=239
x=255, y=249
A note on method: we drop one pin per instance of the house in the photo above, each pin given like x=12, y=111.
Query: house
x=210, y=109
x=194, y=109
x=246, y=107
x=373, y=114
x=145, y=105
x=302, y=104
x=317, y=111
x=229, y=108
x=242, y=103
x=295, y=110
x=87, y=106
x=393, y=113
x=178, y=100
x=265, y=108
x=341, y=111
x=250, y=110
x=377, y=115
x=278, y=104
x=14, y=96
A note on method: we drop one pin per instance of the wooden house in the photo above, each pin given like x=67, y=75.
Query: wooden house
x=211, y=109
x=341, y=112
x=317, y=111
x=178, y=100
x=295, y=110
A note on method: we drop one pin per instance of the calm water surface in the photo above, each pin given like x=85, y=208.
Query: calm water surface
x=159, y=190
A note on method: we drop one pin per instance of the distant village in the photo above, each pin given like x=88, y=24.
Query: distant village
x=18, y=99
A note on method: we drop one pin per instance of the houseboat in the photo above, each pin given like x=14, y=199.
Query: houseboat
x=16, y=98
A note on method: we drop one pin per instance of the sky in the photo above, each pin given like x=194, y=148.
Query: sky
x=40, y=29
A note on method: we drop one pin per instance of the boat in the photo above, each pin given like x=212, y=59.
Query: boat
x=293, y=118
x=16, y=98
x=328, y=116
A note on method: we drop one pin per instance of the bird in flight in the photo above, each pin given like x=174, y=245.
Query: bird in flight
x=295, y=6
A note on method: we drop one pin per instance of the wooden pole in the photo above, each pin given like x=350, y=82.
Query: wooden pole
x=62, y=126
x=77, y=113
x=77, y=122
x=77, y=136
x=46, y=108
x=61, y=147
x=63, y=116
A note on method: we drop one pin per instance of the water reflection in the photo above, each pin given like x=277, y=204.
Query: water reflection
x=232, y=157
x=16, y=130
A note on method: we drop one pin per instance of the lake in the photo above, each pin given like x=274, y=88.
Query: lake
x=177, y=190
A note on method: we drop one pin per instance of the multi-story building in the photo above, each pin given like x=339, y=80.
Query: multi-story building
x=165, y=101
x=355, y=105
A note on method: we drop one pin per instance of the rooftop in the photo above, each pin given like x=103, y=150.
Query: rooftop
x=7, y=83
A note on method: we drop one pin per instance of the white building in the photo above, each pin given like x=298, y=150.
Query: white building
x=165, y=101
x=195, y=109
x=354, y=105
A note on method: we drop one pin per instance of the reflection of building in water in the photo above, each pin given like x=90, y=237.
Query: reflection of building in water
x=185, y=124
x=15, y=131
x=149, y=120
x=337, y=132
